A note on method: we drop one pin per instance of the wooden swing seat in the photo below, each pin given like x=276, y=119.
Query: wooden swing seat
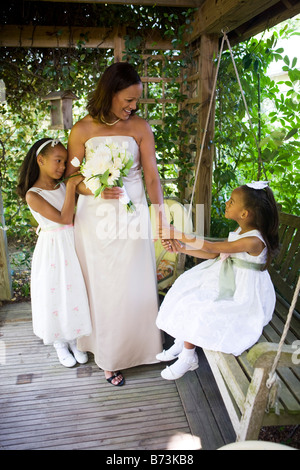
x=242, y=380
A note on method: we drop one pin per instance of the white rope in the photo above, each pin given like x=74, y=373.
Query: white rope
x=210, y=107
x=242, y=92
x=206, y=126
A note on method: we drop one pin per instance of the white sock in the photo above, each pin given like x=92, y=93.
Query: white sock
x=184, y=361
x=80, y=356
x=176, y=348
x=188, y=355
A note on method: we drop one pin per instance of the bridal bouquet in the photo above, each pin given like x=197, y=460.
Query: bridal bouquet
x=105, y=168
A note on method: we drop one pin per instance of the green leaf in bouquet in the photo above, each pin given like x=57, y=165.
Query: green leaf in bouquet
x=104, y=177
x=98, y=191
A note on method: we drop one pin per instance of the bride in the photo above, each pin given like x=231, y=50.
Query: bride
x=118, y=264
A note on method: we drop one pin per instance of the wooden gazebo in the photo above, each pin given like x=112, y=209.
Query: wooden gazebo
x=242, y=19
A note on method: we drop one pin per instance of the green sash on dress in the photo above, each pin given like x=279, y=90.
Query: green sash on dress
x=227, y=278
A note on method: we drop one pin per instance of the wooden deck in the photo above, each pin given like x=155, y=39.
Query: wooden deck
x=46, y=406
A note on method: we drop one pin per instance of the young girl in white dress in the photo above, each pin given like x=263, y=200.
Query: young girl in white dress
x=223, y=304
x=60, y=310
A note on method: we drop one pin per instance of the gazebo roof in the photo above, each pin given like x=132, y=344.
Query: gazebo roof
x=241, y=18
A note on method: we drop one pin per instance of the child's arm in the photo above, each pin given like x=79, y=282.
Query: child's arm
x=65, y=216
x=251, y=245
x=175, y=246
x=76, y=149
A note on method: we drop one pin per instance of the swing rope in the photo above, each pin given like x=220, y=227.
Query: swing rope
x=225, y=38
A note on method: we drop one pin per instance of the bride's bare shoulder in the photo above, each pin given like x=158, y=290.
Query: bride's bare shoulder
x=84, y=128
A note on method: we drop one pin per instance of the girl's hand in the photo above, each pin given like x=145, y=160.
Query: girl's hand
x=167, y=244
x=169, y=232
x=112, y=193
x=75, y=179
x=171, y=245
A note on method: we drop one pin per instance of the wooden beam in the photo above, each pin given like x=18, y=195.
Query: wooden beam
x=214, y=15
x=63, y=36
x=158, y=3
x=55, y=36
x=265, y=20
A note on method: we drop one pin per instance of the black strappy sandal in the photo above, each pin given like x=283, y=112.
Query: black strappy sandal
x=114, y=376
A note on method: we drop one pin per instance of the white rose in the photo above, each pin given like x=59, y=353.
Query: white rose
x=75, y=162
x=118, y=163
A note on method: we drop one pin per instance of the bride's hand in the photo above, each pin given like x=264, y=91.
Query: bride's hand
x=112, y=193
x=173, y=246
x=169, y=232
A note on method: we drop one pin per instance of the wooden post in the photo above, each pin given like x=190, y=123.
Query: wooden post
x=5, y=276
x=119, y=43
x=208, y=50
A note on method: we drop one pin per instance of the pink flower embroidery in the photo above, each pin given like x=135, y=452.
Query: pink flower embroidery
x=52, y=289
x=66, y=262
x=55, y=313
x=76, y=309
x=69, y=286
x=52, y=266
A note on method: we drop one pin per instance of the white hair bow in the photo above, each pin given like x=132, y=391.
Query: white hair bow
x=258, y=184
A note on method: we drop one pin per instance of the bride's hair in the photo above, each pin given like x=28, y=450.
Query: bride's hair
x=115, y=78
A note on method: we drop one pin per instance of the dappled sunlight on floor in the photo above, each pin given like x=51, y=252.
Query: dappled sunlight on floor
x=183, y=441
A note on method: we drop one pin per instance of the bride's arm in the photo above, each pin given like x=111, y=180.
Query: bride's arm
x=151, y=175
x=76, y=149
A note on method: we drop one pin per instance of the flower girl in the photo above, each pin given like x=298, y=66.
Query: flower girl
x=60, y=310
x=223, y=303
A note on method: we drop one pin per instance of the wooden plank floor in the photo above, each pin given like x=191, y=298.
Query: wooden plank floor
x=46, y=406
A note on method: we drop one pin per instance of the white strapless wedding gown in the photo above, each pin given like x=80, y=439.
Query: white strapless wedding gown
x=116, y=254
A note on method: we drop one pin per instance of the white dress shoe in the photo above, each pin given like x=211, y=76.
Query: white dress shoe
x=179, y=368
x=80, y=356
x=64, y=356
x=171, y=353
x=165, y=356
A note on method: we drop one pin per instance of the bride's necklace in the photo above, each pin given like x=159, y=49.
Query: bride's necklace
x=109, y=123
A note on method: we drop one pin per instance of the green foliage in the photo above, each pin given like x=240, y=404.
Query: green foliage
x=276, y=126
x=30, y=74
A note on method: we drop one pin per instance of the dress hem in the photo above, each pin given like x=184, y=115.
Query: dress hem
x=122, y=367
